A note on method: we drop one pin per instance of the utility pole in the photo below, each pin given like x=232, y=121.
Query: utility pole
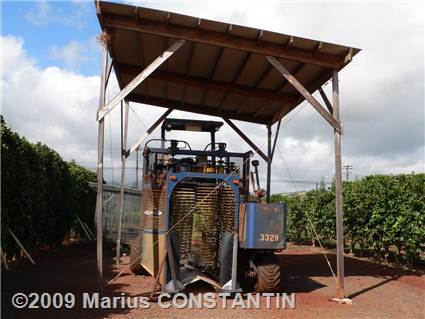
x=347, y=169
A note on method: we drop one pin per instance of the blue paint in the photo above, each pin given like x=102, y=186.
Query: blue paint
x=264, y=220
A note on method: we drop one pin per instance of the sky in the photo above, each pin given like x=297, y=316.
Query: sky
x=50, y=62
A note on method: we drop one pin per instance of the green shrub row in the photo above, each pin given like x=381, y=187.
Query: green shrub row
x=384, y=215
x=41, y=194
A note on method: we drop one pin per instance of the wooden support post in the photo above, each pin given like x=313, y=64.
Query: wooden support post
x=269, y=160
x=100, y=151
x=245, y=138
x=84, y=229
x=3, y=258
x=148, y=132
x=88, y=229
x=108, y=72
x=275, y=137
x=303, y=91
x=139, y=79
x=21, y=246
x=123, y=160
x=158, y=276
x=338, y=193
x=326, y=100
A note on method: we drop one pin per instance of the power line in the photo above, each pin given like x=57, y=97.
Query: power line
x=138, y=118
x=308, y=216
x=299, y=181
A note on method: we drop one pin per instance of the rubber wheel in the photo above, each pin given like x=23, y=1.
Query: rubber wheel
x=135, y=252
x=268, y=271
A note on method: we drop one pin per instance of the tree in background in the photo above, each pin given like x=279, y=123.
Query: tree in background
x=42, y=195
x=383, y=214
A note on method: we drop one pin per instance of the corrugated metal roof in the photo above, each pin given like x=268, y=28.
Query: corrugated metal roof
x=221, y=70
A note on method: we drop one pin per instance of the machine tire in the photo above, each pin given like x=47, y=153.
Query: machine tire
x=268, y=273
x=135, y=251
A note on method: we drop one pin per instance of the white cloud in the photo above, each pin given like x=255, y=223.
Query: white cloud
x=382, y=94
x=49, y=105
x=47, y=14
x=72, y=53
x=42, y=16
x=76, y=55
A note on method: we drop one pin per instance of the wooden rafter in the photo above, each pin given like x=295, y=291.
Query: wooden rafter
x=276, y=137
x=313, y=86
x=143, y=62
x=246, y=139
x=195, y=108
x=236, y=78
x=189, y=66
x=211, y=76
x=222, y=40
x=136, y=145
x=295, y=73
x=139, y=79
x=243, y=105
x=305, y=93
x=280, y=89
x=326, y=100
x=259, y=81
x=108, y=71
x=166, y=45
x=212, y=85
x=262, y=108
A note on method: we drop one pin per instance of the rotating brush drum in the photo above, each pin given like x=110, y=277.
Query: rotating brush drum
x=205, y=230
x=226, y=216
x=181, y=215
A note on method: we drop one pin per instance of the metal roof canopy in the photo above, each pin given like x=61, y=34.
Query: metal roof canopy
x=221, y=70
x=186, y=63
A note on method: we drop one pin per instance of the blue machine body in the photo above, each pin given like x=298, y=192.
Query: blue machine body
x=264, y=226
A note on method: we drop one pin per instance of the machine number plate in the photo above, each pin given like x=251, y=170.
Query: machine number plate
x=269, y=237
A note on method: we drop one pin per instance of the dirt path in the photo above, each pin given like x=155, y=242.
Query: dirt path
x=377, y=291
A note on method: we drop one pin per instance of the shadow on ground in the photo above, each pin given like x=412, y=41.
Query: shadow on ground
x=298, y=269
x=72, y=269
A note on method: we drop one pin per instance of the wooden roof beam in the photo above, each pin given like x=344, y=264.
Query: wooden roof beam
x=282, y=86
x=211, y=84
x=243, y=105
x=139, y=79
x=326, y=100
x=257, y=83
x=245, y=138
x=148, y=132
x=313, y=86
x=236, y=78
x=195, y=108
x=189, y=67
x=304, y=92
x=142, y=60
x=214, y=70
x=222, y=40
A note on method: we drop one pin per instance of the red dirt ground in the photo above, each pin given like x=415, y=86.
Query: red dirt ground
x=377, y=291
